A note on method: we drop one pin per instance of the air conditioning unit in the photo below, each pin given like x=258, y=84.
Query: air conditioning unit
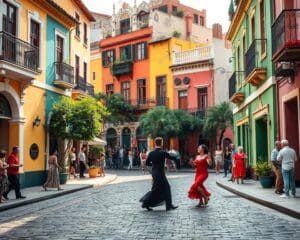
x=284, y=69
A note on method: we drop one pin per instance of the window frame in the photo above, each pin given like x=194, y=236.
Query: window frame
x=125, y=90
x=109, y=91
x=141, y=88
x=77, y=29
x=196, y=19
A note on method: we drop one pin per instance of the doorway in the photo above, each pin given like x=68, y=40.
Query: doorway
x=183, y=100
x=126, y=138
x=5, y=116
x=261, y=128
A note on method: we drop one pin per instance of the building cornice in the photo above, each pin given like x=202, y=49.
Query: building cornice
x=237, y=19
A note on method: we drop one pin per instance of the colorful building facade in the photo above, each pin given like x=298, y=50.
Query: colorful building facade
x=252, y=85
x=286, y=57
x=35, y=71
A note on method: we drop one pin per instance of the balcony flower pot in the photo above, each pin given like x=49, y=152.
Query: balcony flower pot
x=63, y=177
x=93, y=171
x=264, y=171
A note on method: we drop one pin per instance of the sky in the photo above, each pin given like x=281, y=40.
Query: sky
x=216, y=10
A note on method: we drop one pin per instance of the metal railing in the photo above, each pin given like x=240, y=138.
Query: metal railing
x=64, y=72
x=196, y=112
x=19, y=52
x=120, y=31
x=232, y=85
x=142, y=104
x=162, y=101
x=286, y=30
x=253, y=55
x=82, y=85
x=194, y=55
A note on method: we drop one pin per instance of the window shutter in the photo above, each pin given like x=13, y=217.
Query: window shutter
x=129, y=51
x=133, y=52
x=114, y=55
x=146, y=50
x=103, y=58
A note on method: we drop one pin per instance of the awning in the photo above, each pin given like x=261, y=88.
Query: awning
x=97, y=141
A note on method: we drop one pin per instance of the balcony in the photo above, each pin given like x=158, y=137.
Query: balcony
x=121, y=31
x=193, y=55
x=196, y=112
x=18, y=59
x=142, y=104
x=235, y=96
x=286, y=36
x=256, y=71
x=64, y=75
x=162, y=101
x=82, y=88
x=121, y=68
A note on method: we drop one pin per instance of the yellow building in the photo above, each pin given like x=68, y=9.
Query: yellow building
x=35, y=54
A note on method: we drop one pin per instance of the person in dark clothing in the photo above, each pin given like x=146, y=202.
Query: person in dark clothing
x=161, y=190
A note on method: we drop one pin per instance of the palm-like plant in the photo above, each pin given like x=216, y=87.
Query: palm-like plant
x=218, y=119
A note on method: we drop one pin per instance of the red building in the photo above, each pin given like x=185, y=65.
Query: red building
x=286, y=57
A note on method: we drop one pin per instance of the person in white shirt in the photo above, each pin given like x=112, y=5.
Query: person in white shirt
x=287, y=156
x=82, y=161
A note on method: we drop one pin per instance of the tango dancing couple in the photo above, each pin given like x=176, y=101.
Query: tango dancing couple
x=161, y=191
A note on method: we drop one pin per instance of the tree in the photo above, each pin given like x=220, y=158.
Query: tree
x=75, y=120
x=160, y=122
x=218, y=119
x=120, y=111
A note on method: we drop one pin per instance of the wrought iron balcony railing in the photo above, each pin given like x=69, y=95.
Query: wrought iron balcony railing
x=119, y=68
x=18, y=52
x=82, y=85
x=232, y=85
x=162, y=101
x=64, y=72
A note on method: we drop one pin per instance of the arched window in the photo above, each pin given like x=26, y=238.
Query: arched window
x=111, y=137
x=5, y=111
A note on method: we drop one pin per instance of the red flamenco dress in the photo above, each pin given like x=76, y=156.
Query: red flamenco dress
x=240, y=168
x=201, y=175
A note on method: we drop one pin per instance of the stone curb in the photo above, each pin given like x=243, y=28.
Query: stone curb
x=57, y=194
x=277, y=207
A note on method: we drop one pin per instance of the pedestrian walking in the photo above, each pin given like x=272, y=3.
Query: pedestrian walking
x=161, y=191
x=53, y=175
x=3, y=174
x=143, y=158
x=201, y=163
x=82, y=161
x=130, y=158
x=240, y=165
x=73, y=163
x=218, y=159
x=102, y=165
x=232, y=167
x=13, y=174
x=227, y=160
x=276, y=167
x=288, y=157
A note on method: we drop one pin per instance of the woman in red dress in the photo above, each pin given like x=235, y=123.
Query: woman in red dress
x=240, y=165
x=198, y=190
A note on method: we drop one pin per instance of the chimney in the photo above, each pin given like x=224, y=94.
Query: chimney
x=217, y=31
x=188, y=26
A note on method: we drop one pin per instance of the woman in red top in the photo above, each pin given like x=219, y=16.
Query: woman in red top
x=198, y=190
x=240, y=165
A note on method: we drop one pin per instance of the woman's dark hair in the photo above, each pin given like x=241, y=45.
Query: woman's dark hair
x=2, y=154
x=205, y=148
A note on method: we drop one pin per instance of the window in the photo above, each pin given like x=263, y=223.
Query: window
x=9, y=16
x=163, y=8
x=85, y=71
x=202, y=99
x=195, y=18
x=253, y=27
x=85, y=39
x=109, y=89
x=94, y=76
x=59, y=49
x=141, y=91
x=125, y=26
x=262, y=26
x=77, y=67
x=125, y=53
x=182, y=100
x=201, y=20
x=77, y=17
x=140, y=51
x=238, y=58
x=244, y=52
x=108, y=57
x=34, y=33
x=125, y=90
x=174, y=9
x=161, y=90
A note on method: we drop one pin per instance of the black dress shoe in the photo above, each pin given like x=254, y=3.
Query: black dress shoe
x=21, y=197
x=172, y=207
x=148, y=208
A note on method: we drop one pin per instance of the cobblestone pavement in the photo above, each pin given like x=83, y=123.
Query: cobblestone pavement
x=113, y=212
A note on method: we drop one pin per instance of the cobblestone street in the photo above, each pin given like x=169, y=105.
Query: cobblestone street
x=113, y=212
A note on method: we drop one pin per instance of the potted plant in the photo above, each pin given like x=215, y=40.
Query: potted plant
x=93, y=171
x=176, y=34
x=264, y=171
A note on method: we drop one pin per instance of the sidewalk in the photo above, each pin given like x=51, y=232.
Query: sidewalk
x=36, y=194
x=253, y=191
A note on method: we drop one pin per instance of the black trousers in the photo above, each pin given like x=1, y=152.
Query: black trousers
x=14, y=183
x=81, y=169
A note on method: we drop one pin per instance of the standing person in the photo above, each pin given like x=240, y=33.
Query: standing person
x=3, y=175
x=73, y=162
x=121, y=157
x=160, y=188
x=130, y=158
x=143, y=157
x=276, y=167
x=218, y=159
x=102, y=165
x=240, y=165
x=198, y=190
x=13, y=173
x=232, y=165
x=227, y=160
x=288, y=157
x=82, y=161
x=53, y=176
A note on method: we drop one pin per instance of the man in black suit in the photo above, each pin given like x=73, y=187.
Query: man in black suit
x=160, y=189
